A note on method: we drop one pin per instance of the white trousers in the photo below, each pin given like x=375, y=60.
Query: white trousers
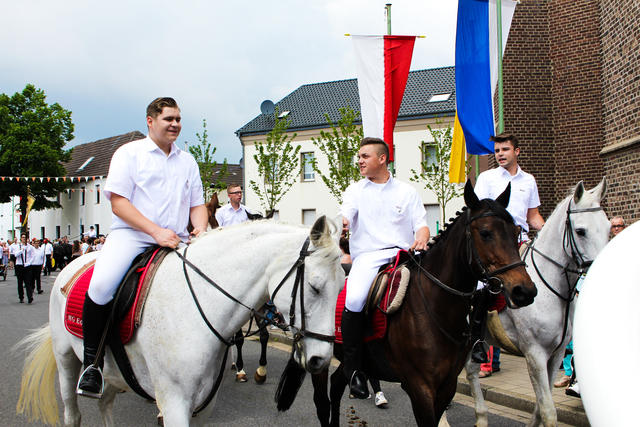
x=363, y=270
x=114, y=259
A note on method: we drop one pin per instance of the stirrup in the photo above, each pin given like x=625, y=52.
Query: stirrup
x=91, y=393
x=362, y=394
x=485, y=356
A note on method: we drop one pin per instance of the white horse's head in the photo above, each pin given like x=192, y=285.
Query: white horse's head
x=588, y=227
x=323, y=280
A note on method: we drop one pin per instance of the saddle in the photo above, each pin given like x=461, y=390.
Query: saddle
x=385, y=297
x=129, y=299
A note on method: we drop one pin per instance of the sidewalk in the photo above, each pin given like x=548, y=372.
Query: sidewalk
x=510, y=387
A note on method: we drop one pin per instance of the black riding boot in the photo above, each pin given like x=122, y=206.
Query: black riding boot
x=353, y=325
x=94, y=321
x=479, y=327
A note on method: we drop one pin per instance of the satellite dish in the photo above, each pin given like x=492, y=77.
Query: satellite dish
x=267, y=107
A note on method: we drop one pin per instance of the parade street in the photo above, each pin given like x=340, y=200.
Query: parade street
x=238, y=404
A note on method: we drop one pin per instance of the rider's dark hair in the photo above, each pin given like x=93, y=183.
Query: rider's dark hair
x=506, y=137
x=381, y=146
x=158, y=104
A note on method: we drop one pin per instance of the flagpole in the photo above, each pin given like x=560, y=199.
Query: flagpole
x=500, y=95
x=388, y=13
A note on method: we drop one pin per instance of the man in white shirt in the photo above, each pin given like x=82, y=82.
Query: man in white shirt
x=233, y=212
x=383, y=215
x=36, y=264
x=48, y=252
x=154, y=189
x=23, y=252
x=523, y=207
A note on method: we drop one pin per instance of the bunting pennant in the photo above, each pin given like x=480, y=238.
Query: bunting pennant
x=49, y=178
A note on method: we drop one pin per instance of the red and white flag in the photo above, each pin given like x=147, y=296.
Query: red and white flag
x=382, y=66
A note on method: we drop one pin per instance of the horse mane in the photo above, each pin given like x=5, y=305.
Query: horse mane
x=486, y=204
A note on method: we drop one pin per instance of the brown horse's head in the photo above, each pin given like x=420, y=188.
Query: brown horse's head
x=493, y=247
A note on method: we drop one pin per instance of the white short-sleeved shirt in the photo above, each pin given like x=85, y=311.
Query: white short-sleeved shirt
x=382, y=215
x=24, y=254
x=524, y=191
x=38, y=256
x=48, y=248
x=163, y=188
x=227, y=216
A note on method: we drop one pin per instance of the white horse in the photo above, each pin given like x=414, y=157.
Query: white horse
x=570, y=240
x=175, y=356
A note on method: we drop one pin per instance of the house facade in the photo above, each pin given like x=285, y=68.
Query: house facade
x=429, y=100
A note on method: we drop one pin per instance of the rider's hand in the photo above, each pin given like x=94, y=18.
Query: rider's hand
x=167, y=238
x=345, y=227
x=196, y=232
x=422, y=238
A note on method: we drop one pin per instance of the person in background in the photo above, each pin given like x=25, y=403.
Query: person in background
x=36, y=264
x=48, y=252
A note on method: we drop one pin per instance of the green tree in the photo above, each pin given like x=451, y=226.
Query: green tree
x=435, y=167
x=278, y=165
x=340, y=146
x=212, y=180
x=32, y=139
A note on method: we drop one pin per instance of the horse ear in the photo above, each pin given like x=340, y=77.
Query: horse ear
x=600, y=189
x=470, y=197
x=578, y=192
x=503, y=199
x=320, y=232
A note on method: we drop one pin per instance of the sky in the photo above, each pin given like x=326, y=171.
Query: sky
x=105, y=61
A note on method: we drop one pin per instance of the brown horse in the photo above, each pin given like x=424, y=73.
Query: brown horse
x=428, y=338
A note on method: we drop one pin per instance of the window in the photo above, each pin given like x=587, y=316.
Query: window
x=81, y=230
x=433, y=218
x=307, y=167
x=308, y=216
x=58, y=198
x=97, y=227
x=440, y=97
x=41, y=232
x=69, y=193
x=428, y=155
x=68, y=229
x=97, y=190
x=57, y=231
x=81, y=196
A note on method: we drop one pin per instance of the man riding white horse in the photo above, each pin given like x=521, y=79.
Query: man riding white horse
x=154, y=189
x=384, y=215
x=523, y=207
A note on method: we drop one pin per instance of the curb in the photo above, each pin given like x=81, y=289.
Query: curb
x=566, y=414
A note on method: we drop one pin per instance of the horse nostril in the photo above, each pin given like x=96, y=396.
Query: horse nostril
x=523, y=296
x=315, y=364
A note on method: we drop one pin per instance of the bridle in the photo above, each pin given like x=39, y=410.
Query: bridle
x=301, y=332
x=582, y=264
x=495, y=284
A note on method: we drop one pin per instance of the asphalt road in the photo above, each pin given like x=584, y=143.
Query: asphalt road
x=238, y=404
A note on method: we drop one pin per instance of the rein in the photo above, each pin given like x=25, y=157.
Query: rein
x=491, y=278
x=577, y=258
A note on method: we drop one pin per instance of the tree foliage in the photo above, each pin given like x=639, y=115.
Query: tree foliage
x=212, y=180
x=32, y=139
x=278, y=165
x=340, y=146
x=435, y=169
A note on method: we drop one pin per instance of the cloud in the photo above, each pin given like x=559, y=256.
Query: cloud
x=106, y=61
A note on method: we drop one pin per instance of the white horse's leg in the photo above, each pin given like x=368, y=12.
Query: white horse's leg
x=545, y=411
x=106, y=404
x=175, y=412
x=68, y=373
x=472, y=369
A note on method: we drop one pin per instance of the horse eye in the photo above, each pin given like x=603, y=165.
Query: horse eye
x=581, y=232
x=485, y=234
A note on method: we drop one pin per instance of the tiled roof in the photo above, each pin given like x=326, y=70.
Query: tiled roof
x=101, y=150
x=309, y=103
x=234, y=175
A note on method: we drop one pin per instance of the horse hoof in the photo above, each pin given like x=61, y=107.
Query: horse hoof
x=241, y=377
x=160, y=420
x=260, y=379
x=233, y=366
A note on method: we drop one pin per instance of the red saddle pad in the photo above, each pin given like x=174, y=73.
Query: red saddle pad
x=75, y=302
x=378, y=320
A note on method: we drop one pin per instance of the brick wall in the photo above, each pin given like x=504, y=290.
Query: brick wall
x=620, y=76
x=527, y=95
x=576, y=93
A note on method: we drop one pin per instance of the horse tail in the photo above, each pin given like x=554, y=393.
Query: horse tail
x=37, y=393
